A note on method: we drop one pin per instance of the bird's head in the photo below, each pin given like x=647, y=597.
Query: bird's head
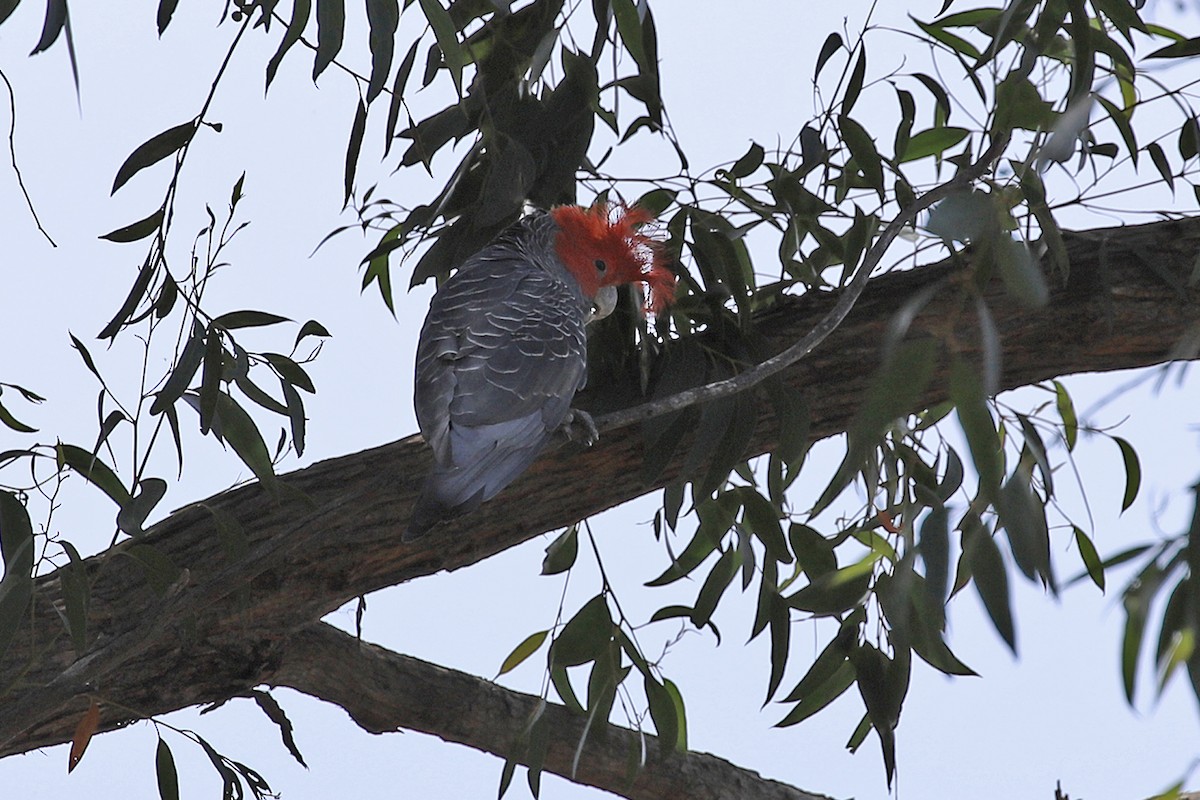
x=605, y=246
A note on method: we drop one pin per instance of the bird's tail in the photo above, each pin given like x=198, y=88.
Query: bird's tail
x=450, y=491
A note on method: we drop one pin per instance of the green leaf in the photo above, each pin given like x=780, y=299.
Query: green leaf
x=7, y=7
x=561, y=553
x=383, y=17
x=953, y=41
x=1133, y=473
x=94, y=470
x=855, y=84
x=16, y=547
x=1023, y=515
x=824, y=668
x=524, y=650
x=290, y=371
x=1189, y=138
x=629, y=28
x=779, y=621
x=136, y=293
x=133, y=514
x=270, y=706
x=331, y=25
x=1066, y=411
x=210, y=379
x=585, y=636
x=663, y=712
x=239, y=430
x=136, y=230
x=715, y=584
x=931, y=142
x=166, y=9
x=862, y=148
x=966, y=389
x=681, y=739
x=835, y=592
x=715, y=521
x=1160, y=163
x=12, y=422
x=447, y=40
x=354, y=147
x=52, y=25
x=295, y=413
x=894, y=391
x=164, y=768
x=833, y=43
x=398, y=87
x=76, y=592
x=656, y=201
x=934, y=546
x=1091, y=559
x=1185, y=49
x=813, y=551
x=991, y=578
x=301, y=10
x=747, y=164
x=247, y=319
x=154, y=150
x=1121, y=119
x=312, y=328
x=185, y=370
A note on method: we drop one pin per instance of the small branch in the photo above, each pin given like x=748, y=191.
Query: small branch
x=385, y=691
x=12, y=154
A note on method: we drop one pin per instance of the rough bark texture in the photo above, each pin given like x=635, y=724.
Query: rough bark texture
x=385, y=691
x=334, y=532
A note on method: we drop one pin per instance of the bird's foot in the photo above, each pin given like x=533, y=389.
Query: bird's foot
x=580, y=427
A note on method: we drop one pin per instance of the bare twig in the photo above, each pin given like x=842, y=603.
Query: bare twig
x=12, y=152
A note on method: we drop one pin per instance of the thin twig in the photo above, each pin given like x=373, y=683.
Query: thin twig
x=12, y=152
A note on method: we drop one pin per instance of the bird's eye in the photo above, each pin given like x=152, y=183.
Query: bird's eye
x=600, y=265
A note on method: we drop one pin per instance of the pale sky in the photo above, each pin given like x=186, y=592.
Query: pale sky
x=731, y=72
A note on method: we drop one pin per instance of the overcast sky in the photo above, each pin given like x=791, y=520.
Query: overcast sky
x=732, y=72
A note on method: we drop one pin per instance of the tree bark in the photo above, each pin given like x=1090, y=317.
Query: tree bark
x=385, y=691
x=221, y=623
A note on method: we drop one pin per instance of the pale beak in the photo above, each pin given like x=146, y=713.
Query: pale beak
x=603, y=304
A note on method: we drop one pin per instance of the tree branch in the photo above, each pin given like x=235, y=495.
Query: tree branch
x=334, y=531
x=385, y=691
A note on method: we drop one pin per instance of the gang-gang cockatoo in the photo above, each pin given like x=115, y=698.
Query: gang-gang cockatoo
x=504, y=350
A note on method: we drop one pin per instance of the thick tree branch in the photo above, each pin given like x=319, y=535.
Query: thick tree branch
x=385, y=691
x=335, y=532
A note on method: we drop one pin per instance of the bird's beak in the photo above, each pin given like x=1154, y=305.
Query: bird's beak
x=603, y=304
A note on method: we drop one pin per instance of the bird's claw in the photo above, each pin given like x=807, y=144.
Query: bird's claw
x=577, y=420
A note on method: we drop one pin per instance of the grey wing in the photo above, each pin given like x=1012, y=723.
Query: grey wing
x=501, y=355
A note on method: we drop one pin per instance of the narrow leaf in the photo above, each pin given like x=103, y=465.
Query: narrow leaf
x=83, y=734
x=524, y=650
x=384, y=17
x=94, y=470
x=154, y=150
x=164, y=768
x=166, y=9
x=136, y=230
x=447, y=39
x=833, y=43
x=1133, y=473
x=357, y=129
x=301, y=10
x=52, y=25
x=331, y=25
